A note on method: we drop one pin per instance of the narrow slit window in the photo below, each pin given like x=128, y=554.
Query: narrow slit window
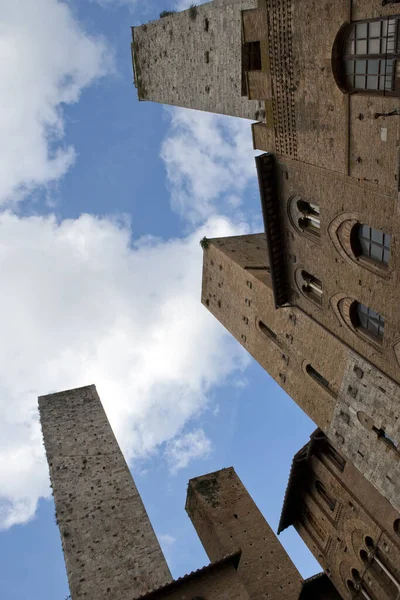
x=267, y=331
x=324, y=495
x=334, y=457
x=320, y=379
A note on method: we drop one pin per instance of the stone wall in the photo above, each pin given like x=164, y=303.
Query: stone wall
x=109, y=545
x=368, y=399
x=226, y=518
x=193, y=59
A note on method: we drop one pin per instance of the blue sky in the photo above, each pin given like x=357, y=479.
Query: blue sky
x=104, y=201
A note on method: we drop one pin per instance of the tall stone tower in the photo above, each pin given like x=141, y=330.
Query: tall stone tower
x=198, y=58
x=226, y=518
x=110, y=548
x=318, y=313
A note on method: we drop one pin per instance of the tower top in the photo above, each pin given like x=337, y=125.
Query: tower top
x=194, y=59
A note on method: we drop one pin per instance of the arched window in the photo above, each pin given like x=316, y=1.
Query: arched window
x=334, y=457
x=364, y=56
x=370, y=243
x=310, y=218
x=311, y=287
x=367, y=321
x=321, y=489
x=316, y=525
x=265, y=330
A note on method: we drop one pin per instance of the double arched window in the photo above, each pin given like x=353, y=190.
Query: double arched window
x=305, y=217
x=364, y=56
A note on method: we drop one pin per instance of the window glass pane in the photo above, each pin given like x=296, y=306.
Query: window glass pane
x=349, y=66
x=373, y=66
x=386, y=256
x=361, y=47
x=373, y=327
x=365, y=231
x=361, y=66
x=373, y=46
x=363, y=320
x=350, y=47
x=359, y=82
x=375, y=28
x=383, y=45
x=376, y=252
x=363, y=309
x=388, y=83
x=388, y=67
x=377, y=236
x=384, y=27
x=373, y=315
x=390, y=46
x=361, y=30
x=386, y=240
x=364, y=247
x=372, y=82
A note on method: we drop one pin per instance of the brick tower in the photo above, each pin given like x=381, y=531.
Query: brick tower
x=314, y=301
x=109, y=545
x=226, y=518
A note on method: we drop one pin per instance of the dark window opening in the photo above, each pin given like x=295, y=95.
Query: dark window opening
x=251, y=56
x=322, y=492
x=267, y=331
x=334, y=457
x=316, y=525
x=317, y=376
x=383, y=436
x=312, y=287
x=369, y=54
x=367, y=321
x=371, y=243
x=310, y=219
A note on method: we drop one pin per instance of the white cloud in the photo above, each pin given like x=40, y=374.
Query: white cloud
x=166, y=539
x=181, y=450
x=210, y=162
x=46, y=60
x=80, y=305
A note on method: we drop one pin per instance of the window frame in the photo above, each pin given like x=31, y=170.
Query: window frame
x=357, y=238
x=358, y=317
x=340, y=57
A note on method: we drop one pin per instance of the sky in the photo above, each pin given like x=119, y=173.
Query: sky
x=103, y=201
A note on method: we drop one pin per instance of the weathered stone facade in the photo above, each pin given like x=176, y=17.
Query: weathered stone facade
x=344, y=521
x=109, y=545
x=193, y=59
x=304, y=347
x=225, y=518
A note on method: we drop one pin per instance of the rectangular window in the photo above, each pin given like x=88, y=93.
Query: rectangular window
x=251, y=56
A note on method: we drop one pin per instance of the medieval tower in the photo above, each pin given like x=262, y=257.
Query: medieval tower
x=314, y=297
x=110, y=548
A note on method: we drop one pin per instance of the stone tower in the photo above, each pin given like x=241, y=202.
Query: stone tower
x=226, y=518
x=195, y=59
x=294, y=297
x=110, y=548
